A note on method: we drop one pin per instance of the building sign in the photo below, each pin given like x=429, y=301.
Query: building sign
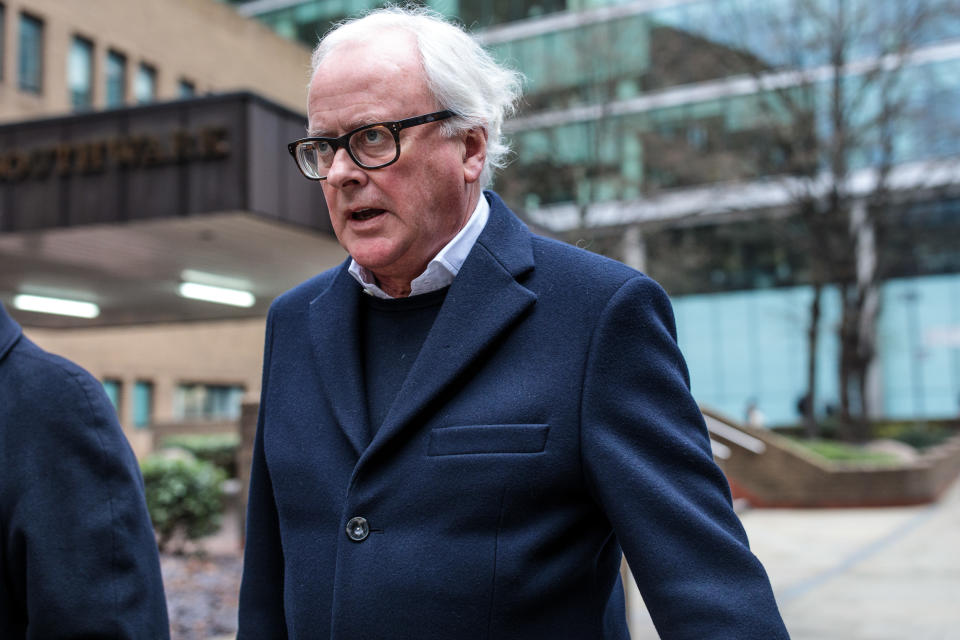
x=124, y=152
x=221, y=153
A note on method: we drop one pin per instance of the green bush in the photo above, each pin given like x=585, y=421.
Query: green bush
x=917, y=435
x=183, y=497
x=218, y=449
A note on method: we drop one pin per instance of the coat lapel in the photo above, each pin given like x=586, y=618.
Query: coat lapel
x=484, y=301
x=335, y=331
x=9, y=332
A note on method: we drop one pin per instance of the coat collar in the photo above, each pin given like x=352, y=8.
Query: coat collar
x=10, y=332
x=334, y=318
x=484, y=300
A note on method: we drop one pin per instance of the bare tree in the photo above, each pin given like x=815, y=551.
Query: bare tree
x=835, y=99
x=832, y=93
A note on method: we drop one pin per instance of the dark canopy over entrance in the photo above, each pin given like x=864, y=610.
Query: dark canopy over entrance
x=121, y=207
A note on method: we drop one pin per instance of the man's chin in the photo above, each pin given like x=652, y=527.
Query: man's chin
x=373, y=259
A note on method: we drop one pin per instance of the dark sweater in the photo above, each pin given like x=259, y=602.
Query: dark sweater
x=393, y=332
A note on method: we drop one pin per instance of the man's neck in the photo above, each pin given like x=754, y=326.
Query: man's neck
x=400, y=287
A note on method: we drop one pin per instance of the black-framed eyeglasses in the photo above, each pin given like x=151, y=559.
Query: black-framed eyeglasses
x=372, y=146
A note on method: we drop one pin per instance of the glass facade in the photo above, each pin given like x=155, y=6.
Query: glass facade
x=30, y=54
x=308, y=21
x=642, y=100
x=486, y=14
x=920, y=330
x=750, y=346
x=116, y=79
x=712, y=131
x=632, y=104
x=80, y=73
x=145, y=84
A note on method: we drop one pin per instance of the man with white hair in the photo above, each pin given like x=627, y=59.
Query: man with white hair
x=462, y=425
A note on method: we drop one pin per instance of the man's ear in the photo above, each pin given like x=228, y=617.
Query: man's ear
x=474, y=153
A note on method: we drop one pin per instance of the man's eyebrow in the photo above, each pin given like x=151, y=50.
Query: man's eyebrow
x=319, y=133
x=350, y=126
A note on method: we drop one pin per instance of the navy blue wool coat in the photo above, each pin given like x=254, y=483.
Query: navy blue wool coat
x=77, y=552
x=546, y=424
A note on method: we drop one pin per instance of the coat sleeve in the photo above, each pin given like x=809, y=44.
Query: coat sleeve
x=80, y=555
x=647, y=460
x=261, y=614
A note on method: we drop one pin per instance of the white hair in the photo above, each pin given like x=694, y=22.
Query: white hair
x=462, y=76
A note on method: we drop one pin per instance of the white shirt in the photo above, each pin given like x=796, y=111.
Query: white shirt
x=444, y=266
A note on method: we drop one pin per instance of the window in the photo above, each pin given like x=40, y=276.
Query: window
x=80, y=73
x=186, y=88
x=207, y=402
x=31, y=54
x=142, y=403
x=113, y=387
x=116, y=76
x=145, y=85
x=500, y=11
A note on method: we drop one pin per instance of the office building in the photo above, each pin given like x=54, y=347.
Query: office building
x=649, y=134
x=136, y=169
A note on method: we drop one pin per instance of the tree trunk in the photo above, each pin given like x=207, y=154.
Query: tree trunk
x=809, y=400
x=844, y=363
x=861, y=303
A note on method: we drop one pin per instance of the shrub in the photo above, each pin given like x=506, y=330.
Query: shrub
x=219, y=449
x=183, y=497
x=918, y=435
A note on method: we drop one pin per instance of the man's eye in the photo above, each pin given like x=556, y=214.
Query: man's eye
x=372, y=136
x=322, y=147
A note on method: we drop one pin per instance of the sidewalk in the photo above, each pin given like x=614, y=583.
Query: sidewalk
x=859, y=574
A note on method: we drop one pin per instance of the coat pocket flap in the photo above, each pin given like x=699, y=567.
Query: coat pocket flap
x=488, y=438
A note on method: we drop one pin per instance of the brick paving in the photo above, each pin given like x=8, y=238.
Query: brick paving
x=859, y=574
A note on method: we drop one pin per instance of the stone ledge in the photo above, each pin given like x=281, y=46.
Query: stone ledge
x=784, y=474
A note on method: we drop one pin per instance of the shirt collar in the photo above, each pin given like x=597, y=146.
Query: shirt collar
x=444, y=266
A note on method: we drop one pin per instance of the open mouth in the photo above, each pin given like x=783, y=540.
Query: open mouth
x=366, y=214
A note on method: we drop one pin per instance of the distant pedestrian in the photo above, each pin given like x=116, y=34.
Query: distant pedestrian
x=754, y=417
x=803, y=405
x=78, y=557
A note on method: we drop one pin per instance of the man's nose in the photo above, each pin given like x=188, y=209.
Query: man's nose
x=343, y=170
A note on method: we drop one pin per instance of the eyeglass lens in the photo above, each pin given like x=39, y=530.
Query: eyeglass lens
x=370, y=147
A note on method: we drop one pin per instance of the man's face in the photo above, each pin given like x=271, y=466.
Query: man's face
x=395, y=219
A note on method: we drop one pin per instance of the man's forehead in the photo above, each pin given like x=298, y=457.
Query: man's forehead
x=358, y=68
x=342, y=111
x=333, y=124
x=358, y=84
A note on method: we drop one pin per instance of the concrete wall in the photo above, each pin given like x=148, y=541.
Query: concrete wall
x=784, y=474
x=203, y=41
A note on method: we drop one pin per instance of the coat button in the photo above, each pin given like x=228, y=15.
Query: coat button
x=358, y=529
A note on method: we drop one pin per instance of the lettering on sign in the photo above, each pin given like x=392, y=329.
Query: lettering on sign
x=128, y=152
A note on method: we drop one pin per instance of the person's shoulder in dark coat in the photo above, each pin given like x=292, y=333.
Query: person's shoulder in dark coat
x=78, y=555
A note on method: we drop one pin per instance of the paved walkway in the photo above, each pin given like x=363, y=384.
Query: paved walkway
x=859, y=574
